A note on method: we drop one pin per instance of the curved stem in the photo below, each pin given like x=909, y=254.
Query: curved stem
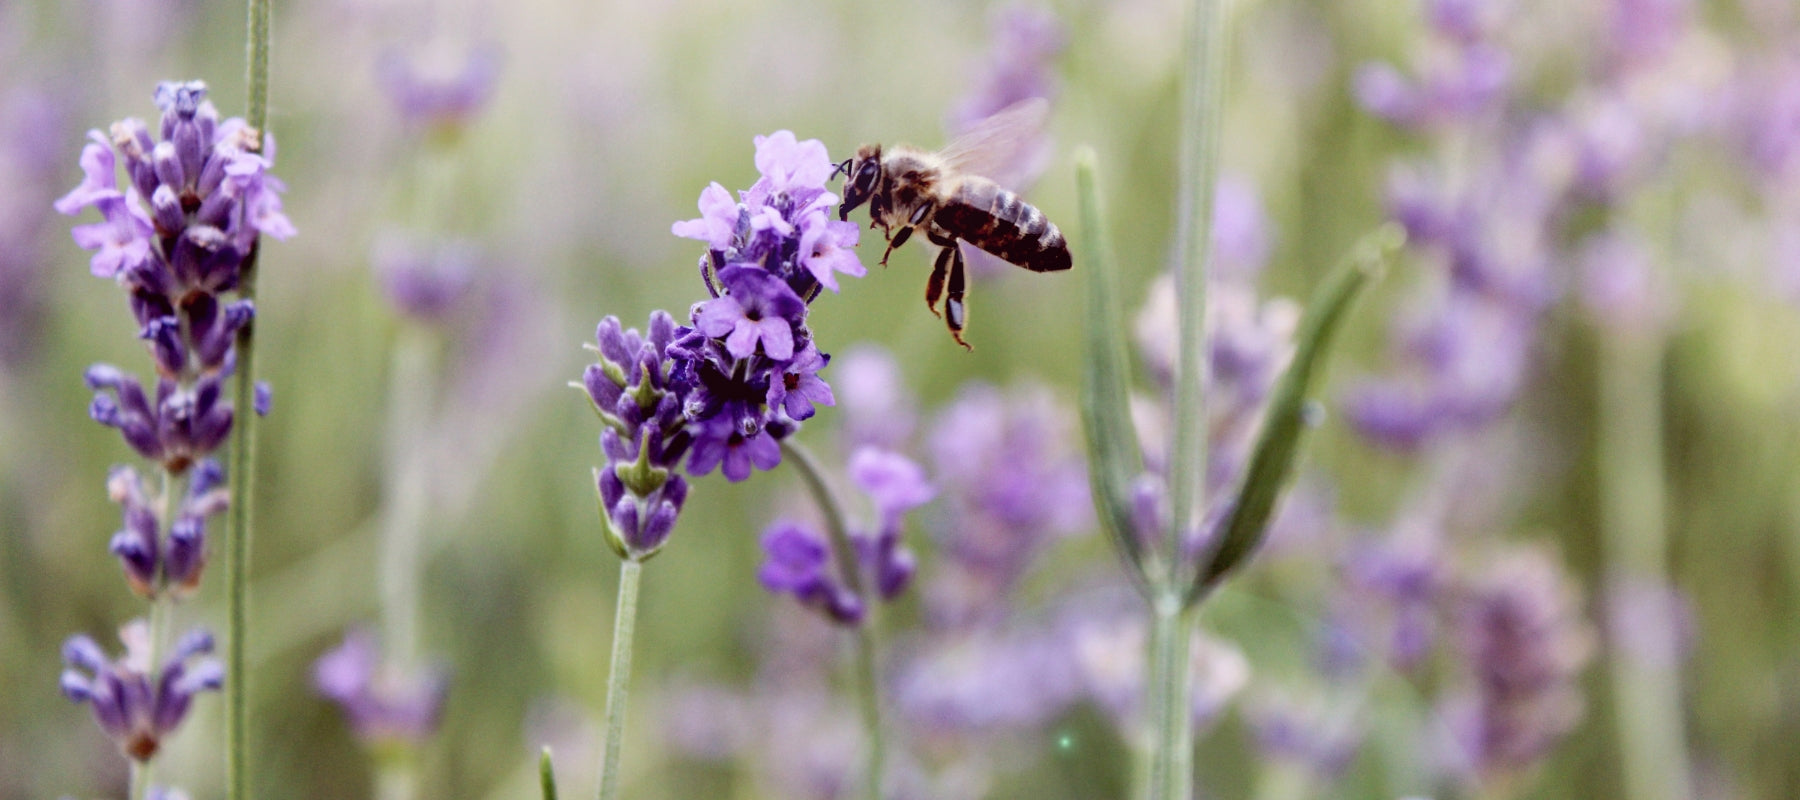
x=619, y=679
x=844, y=552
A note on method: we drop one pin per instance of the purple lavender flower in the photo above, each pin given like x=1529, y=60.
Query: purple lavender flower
x=439, y=99
x=1520, y=630
x=633, y=389
x=427, y=282
x=176, y=428
x=154, y=562
x=382, y=706
x=799, y=560
x=799, y=563
x=135, y=702
x=209, y=197
x=747, y=371
x=1466, y=363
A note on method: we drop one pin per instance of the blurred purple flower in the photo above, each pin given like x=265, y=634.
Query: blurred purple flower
x=382, y=706
x=799, y=563
x=1026, y=41
x=1519, y=630
x=32, y=131
x=1013, y=483
x=987, y=681
x=799, y=559
x=439, y=96
x=874, y=403
x=428, y=282
x=1466, y=362
x=136, y=703
x=1290, y=732
x=1621, y=287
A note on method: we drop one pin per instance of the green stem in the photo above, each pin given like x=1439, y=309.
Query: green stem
x=256, y=58
x=410, y=388
x=618, y=681
x=1646, y=686
x=1202, y=107
x=1167, y=703
x=243, y=446
x=842, y=551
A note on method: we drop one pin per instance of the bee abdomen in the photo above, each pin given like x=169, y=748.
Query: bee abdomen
x=996, y=220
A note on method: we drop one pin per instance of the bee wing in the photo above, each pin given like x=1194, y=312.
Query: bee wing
x=996, y=145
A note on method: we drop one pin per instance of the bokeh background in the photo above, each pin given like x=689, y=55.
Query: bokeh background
x=1605, y=213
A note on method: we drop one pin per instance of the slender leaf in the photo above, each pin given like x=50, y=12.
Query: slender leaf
x=1285, y=422
x=1112, y=443
x=546, y=775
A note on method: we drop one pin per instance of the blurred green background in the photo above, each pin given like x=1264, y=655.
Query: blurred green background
x=606, y=121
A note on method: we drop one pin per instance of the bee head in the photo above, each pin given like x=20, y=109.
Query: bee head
x=861, y=174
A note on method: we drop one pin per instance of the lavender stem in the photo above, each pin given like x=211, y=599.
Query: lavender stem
x=1168, y=689
x=618, y=681
x=243, y=445
x=410, y=387
x=1646, y=686
x=845, y=554
x=1202, y=109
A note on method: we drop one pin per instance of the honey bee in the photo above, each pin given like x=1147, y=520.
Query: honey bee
x=946, y=196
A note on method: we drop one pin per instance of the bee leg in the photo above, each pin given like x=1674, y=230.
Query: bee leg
x=899, y=239
x=956, y=314
x=934, y=288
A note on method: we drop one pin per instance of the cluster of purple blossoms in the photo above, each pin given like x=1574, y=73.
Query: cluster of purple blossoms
x=209, y=197
x=799, y=557
x=747, y=370
x=177, y=234
x=723, y=391
x=382, y=706
x=138, y=703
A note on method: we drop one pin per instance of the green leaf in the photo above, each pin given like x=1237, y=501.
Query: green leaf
x=546, y=775
x=1112, y=442
x=1285, y=422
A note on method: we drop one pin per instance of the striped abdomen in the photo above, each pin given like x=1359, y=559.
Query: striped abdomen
x=996, y=220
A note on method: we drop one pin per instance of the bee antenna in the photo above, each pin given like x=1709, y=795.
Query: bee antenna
x=842, y=168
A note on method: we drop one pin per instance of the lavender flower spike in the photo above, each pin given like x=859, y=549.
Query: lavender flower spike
x=135, y=705
x=634, y=391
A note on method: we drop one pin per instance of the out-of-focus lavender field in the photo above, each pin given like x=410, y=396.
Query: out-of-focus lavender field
x=1544, y=541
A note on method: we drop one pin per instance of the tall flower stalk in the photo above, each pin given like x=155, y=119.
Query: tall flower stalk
x=243, y=447
x=176, y=234
x=1177, y=550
